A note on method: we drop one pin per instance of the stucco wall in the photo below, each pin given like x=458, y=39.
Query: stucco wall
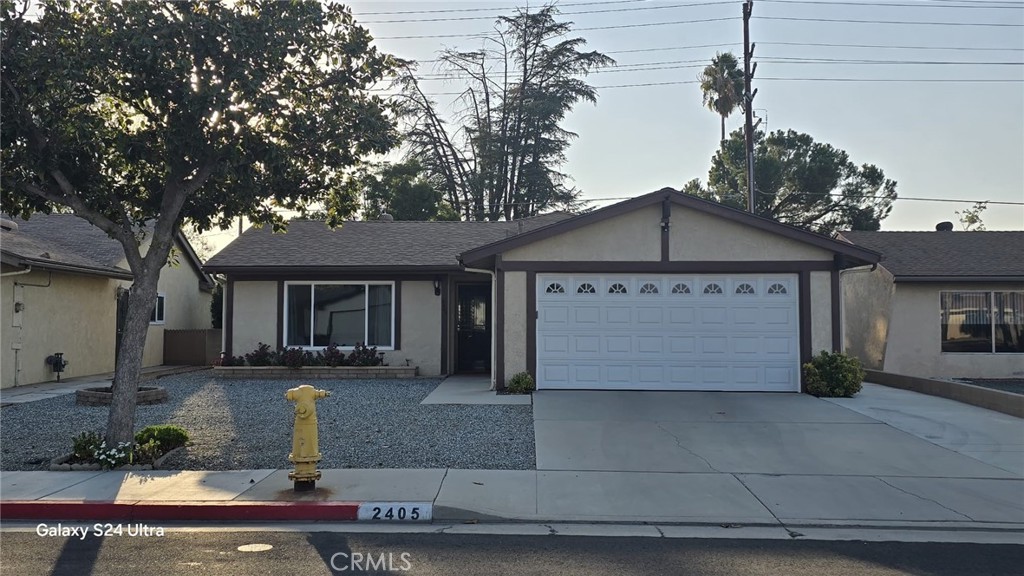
x=915, y=337
x=515, y=323
x=821, y=312
x=75, y=315
x=867, y=306
x=421, y=329
x=699, y=236
x=254, y=317
x=630, y=237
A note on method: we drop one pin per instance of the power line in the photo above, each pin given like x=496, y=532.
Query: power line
x=891, y=46
x=452, y=10
x=836, y=195
x=607, y=11
x=621, y=26
x=896, y=22
x=960, y=4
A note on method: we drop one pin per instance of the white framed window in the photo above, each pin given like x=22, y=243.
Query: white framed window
x=318, y=314
x=982, y=322
x=159, y=309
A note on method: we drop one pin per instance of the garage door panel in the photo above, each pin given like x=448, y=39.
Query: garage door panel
x=666, y=333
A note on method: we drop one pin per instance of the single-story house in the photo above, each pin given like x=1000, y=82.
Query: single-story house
x=63, y=284
x=942, y=304
x=665, y=291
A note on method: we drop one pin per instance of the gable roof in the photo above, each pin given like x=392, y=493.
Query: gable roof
x=852, y=255
x=366, y=246
x=68, y=243
x=938, y=256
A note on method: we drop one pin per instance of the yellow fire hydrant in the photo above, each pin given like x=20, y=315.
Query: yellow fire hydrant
x=305, y=442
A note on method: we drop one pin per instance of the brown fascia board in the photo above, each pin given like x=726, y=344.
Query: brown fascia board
x=314, y=270
x=957, y=279
x=853, y=251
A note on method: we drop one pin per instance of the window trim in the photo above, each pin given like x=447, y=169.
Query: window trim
x=366, y=317
x=162, y=320
x=991, y=319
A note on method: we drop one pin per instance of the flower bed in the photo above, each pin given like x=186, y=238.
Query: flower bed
x=315, y=372
x=65, y=463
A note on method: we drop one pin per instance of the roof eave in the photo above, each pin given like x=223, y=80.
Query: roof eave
x=906, y=278
x=16, y=260
x=306, y=270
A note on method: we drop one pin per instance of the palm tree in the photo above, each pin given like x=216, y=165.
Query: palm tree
x=722, y=84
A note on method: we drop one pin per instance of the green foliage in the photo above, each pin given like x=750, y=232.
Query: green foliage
x=181, y=112
x=217, y=306
x=332, y=356
x=801, y=182
x=84, y=445
x=721, y=82
x=521, y=383
x=502, y=156
x=833, y=375
x=263, y=356
x=970, y=218
x=148, y=452
x=399, y=189
x=363, y=356
x=294, y=358
x=168, y=436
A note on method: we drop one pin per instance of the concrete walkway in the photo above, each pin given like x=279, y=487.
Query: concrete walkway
x=46, y=390
x=471, y=389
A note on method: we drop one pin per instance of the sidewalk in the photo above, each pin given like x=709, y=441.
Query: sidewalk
x=46, y=390
x=450, y=495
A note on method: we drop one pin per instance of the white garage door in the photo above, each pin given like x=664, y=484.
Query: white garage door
x=668, y=332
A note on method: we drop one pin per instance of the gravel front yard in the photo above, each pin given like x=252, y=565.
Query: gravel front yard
x=247, y=424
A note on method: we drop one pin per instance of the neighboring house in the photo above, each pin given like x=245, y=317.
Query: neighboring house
x=661, y=292
x=61, y=280
x=941, y=304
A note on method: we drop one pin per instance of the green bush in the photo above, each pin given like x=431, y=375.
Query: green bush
x=521, y=383
x=167, y=436
x=84, y=445
x=833, y=375
x=363, y=356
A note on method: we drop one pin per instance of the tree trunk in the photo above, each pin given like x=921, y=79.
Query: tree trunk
x=723, y=127
x=128, y=371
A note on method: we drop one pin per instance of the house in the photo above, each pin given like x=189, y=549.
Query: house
x=61, y=282
x=665, y=291
x=941, y=304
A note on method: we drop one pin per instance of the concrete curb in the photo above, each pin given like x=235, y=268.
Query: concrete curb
x=227, y=511
x=1005, y=402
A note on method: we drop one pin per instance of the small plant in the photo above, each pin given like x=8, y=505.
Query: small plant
x=148, y=453
x=331, y=356
x=363, y=356
x=167, y=436
x=84, y=445
x=833, y=375
x=115, y=456
x=521, y=383
x=292, y=357
x=262, y=356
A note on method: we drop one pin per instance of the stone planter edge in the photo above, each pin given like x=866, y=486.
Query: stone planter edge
x=59, y=464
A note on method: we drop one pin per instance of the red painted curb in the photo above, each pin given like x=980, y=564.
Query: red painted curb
x=228, y=511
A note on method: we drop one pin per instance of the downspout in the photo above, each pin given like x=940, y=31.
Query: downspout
x=494, y=317
x=17, y=362
x=842, y=303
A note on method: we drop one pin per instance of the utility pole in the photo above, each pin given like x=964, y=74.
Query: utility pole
x=748, y=102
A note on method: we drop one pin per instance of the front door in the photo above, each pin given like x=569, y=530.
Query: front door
x=473, y=328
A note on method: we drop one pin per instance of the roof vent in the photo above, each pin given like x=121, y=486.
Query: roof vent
x=8, y=225
x=944, y=227
x=385, y=217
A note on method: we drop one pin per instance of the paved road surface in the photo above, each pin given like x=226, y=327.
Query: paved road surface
x=312, y=553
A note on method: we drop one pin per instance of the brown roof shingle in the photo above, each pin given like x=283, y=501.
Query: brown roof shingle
x=910, y=255
x=312, y=244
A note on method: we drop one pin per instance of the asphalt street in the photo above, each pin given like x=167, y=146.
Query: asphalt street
x=315, y=553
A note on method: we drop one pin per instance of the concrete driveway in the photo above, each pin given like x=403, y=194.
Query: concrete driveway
x=789, y=458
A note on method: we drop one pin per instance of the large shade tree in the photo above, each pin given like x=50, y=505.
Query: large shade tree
x=721, y=83
x=500, y=159
x=800, y=182
x=141, y=117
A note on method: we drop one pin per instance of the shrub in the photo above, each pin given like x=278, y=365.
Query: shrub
x=363, y=356
x=292, y=357
x=84, y=445
x=262, y=356
x=115, y=456
x=833, y=375
x=167, y=436
x=331, y=356
x=521, y=383
x=148, y=453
